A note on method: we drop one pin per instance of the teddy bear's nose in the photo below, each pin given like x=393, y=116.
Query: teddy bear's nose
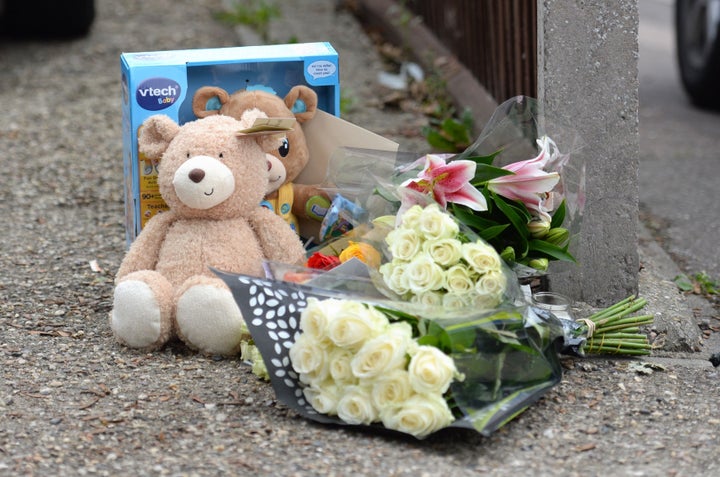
x=196, y=175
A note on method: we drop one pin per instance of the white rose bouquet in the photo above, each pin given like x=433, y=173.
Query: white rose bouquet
x=432, y=263
x=422, y=256
x=357, y=364
x=357, y=360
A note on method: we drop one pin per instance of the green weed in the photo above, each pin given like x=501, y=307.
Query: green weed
x=699, y=283
x=256, y=14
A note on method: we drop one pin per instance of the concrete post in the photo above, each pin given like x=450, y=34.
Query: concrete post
x=588, y=75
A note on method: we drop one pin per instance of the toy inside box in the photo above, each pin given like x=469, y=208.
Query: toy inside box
x=167, y=82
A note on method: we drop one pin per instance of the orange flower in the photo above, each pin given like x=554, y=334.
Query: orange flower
x=362, y=251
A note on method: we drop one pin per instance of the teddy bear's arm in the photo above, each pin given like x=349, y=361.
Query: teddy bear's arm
x=277, y=240
x=144, y=251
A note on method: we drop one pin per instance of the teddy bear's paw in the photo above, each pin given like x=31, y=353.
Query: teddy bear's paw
x=209, y=319
x=136, y=318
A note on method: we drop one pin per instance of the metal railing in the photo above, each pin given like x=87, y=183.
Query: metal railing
x=494, y=39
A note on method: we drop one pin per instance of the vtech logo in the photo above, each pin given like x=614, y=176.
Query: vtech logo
x=155, y=94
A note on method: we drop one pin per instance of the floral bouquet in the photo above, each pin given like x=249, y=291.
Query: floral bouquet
x=515, y=186
x=407, y=316
x=367, y=362
x=423, y=257
x=411, y=323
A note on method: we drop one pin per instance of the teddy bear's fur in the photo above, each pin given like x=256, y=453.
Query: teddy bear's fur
x=213, y=182
x=307, y=203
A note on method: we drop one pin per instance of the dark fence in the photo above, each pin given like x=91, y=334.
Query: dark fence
x=494, y=39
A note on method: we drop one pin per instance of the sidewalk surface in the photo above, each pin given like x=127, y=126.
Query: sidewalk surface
x=73, y=402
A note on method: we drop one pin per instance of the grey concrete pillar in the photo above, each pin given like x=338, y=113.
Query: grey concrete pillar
x=588, y=74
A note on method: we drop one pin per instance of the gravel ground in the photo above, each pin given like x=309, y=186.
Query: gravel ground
x=73, y=402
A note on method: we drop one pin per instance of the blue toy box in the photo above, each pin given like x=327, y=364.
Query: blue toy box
x=164, y=82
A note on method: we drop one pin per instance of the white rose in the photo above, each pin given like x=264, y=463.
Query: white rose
x=481, y=256
x=323, y=397
x=446, y=252
x=420, y=415
x=486, y=302
x=394, y=276
x=339, y=365
x=404, y=243
x=428, y=299
x=309, y=359
x=453, y=301
x=353, y=324
x=391, y=389
x=315, y=317
x=492, y=283
x=423, y=274
x=431, y=370
x=436, y=224
x=410, y=218
x=383, y=353
x=459, y=280
x=355, y=406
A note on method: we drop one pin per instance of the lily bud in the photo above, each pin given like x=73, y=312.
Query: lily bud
x=541, y=264
x=557, y=236
x=538, y=227
x=508, y=254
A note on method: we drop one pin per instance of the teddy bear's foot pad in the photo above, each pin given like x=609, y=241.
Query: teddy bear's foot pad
x=209, y=319
x=135, y=318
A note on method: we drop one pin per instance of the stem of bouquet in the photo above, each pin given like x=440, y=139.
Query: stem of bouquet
x=612, y=331
x=498, y=375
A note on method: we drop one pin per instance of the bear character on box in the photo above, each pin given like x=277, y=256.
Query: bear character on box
x=303, y=206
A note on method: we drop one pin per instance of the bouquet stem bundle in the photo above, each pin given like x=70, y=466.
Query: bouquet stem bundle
x=612, y=331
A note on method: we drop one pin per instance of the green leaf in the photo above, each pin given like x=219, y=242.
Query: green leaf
x=489, y=159
x=438, y=337
x=455, y=130
x=486, y=172
x=489, y=233
x=429, y=340
x=437, y=140
x=552, y=251
x=476, y=222
x=559, y=216
x=684, y=283
x=517, y=217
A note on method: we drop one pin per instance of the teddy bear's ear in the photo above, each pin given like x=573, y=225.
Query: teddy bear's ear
x=156, y=134
x=302, y=101
x=208, y=100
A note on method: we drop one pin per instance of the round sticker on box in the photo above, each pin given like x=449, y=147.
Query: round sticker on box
x=155, y=94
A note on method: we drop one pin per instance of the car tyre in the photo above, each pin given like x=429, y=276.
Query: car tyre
x=46, y=18
x=697, y=27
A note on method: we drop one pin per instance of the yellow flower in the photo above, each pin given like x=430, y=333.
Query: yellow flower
x=362, y=251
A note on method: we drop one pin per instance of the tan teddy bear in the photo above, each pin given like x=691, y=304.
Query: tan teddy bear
x=213, y=180
x=300, y=205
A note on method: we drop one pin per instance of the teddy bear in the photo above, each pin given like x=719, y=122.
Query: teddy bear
x=302, y=206
x=213, y=179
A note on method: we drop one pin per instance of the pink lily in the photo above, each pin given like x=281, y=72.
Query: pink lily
x=529, y=183
x=448, y=182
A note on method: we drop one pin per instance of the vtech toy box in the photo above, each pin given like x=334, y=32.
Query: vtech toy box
x=164, y=82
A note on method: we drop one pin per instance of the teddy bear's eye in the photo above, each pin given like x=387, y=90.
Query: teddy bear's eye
x=188, y=155
x=284, y=149
x=221, y=155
